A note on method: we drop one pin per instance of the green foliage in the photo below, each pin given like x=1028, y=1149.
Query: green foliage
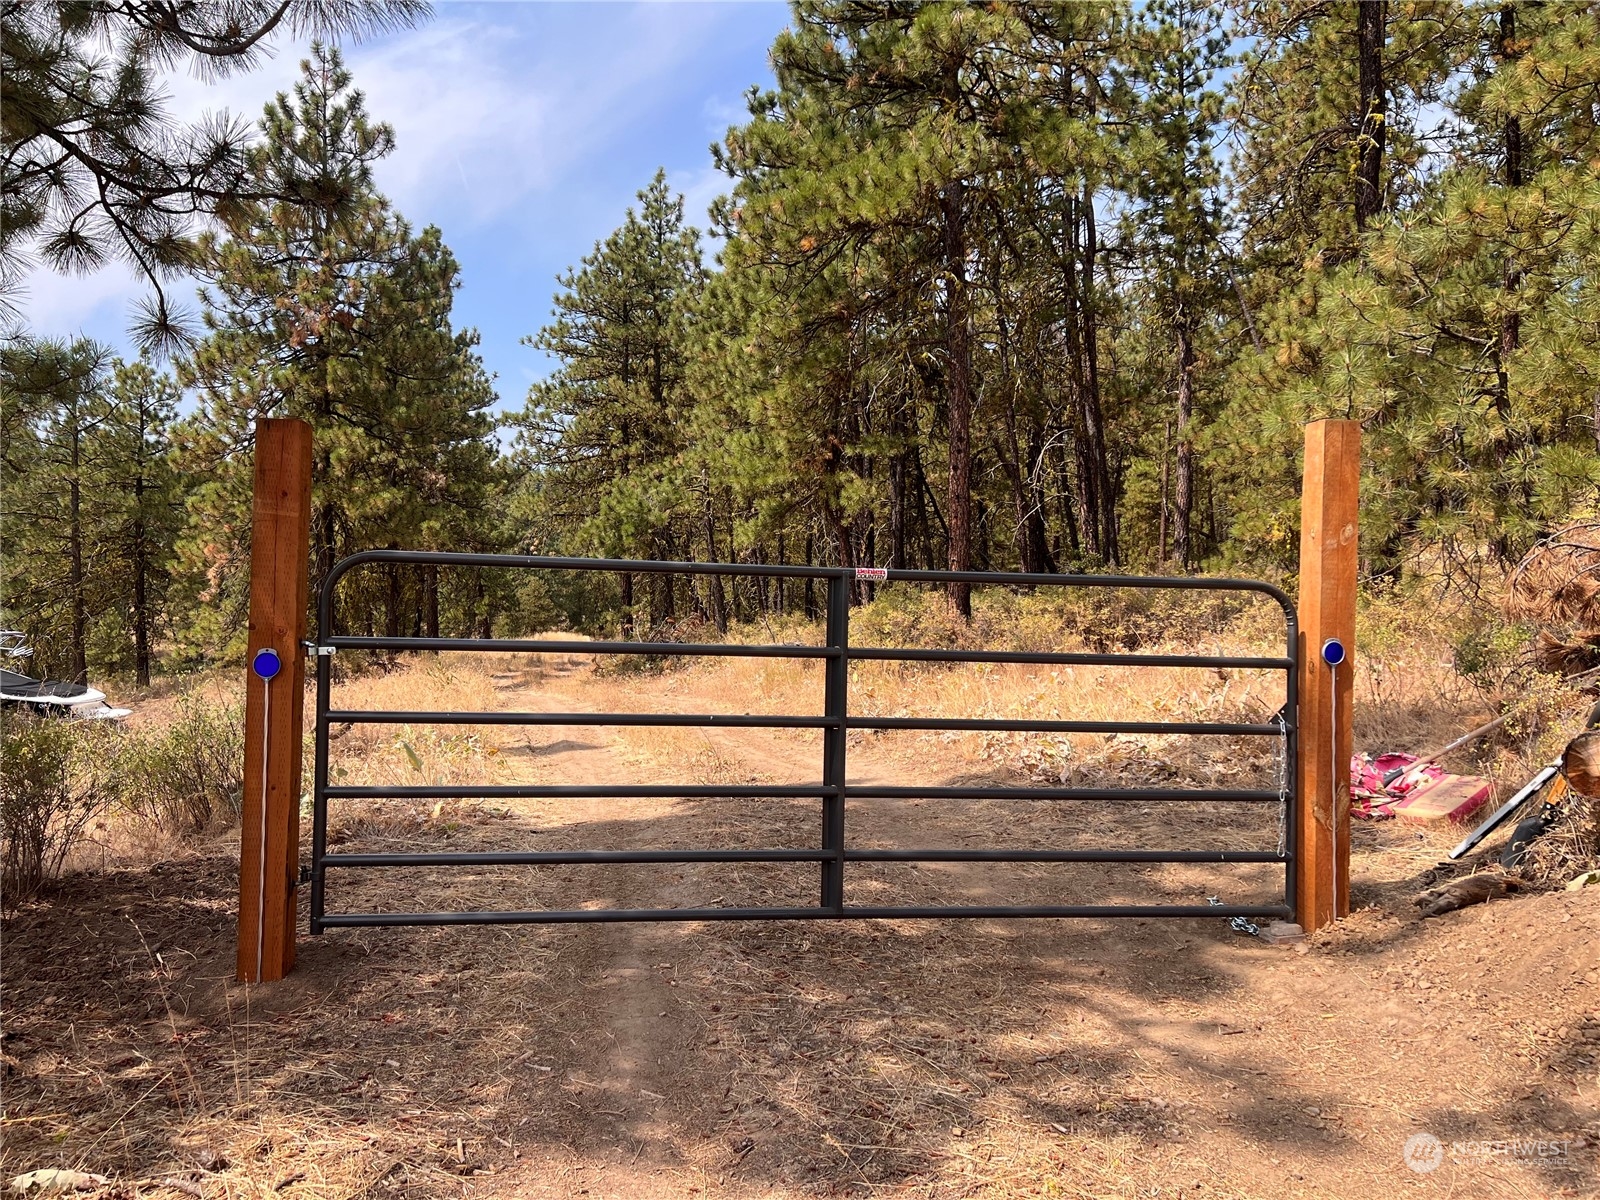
x=1456, y=331
x=604, y=434
x=91, y=502
x=56, y=777
x=1035, y=285
x=919, y=349
x=184, y=775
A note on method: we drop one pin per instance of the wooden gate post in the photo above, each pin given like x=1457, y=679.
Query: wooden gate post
x=1328, y=564
x=269, y=845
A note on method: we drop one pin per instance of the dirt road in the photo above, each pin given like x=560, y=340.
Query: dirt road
x=901, y=1058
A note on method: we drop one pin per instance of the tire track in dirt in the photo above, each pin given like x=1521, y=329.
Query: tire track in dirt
x=632, y=1070
x=686, y=1082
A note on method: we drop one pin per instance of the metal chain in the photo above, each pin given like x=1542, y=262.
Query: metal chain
x=1237, y=924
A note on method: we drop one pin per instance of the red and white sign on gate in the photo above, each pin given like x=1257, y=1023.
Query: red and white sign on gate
x=872, y=574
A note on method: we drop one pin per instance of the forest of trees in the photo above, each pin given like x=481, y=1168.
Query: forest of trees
x=999, y=286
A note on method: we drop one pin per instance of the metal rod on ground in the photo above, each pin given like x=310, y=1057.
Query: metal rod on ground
x=1529, y=789
x=1435, y=756
x=1498, y=817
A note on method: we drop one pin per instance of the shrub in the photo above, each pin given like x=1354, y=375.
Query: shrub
x=1493, y=656
x=188, y=773
x=56, y=775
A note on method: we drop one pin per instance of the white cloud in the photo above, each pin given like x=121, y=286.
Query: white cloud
x=487, y=113
x=720, y=112
x=469, y=139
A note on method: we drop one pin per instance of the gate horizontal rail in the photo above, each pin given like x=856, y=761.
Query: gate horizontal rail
x=834, y=790
x=374, y=716
x=591, y=916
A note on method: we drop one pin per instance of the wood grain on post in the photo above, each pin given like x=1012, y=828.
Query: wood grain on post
x=1328, y=565
x=279, y=548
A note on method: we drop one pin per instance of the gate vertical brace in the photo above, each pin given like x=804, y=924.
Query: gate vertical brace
x=269, y=841
x=836, y=703
x=319, y=786
x=1291, y=767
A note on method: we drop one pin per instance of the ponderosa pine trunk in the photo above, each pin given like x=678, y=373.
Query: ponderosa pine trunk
x=1085, y=523
x=1372, y=129
x=898, y=476
x=391, y=605
x=627, y=605
x=1094, y=423
x=141, y=589
x=1511, y=321
x=78, y=651
x=1008, y=450
x=958, y=381
x=1183, y=475
x=719, y=601
x=1038, y=531
x=1166, y=471
x=809, y=592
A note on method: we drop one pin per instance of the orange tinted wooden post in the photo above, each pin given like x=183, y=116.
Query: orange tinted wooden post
x=269, y=849
x=1328, y=563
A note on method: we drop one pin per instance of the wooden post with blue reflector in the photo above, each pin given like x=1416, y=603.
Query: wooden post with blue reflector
x=1328, y=565
x=269, y=844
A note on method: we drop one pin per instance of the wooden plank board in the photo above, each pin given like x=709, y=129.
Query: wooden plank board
x=1328, y=564
x=279, y=550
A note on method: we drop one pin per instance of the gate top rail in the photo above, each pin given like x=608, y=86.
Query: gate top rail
x=450, y=558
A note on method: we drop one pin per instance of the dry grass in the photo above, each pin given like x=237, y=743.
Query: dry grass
x=1570, y=847
x=1558, y=581
x=362, y=754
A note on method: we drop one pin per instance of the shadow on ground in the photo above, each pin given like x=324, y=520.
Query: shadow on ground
x=985, y=1057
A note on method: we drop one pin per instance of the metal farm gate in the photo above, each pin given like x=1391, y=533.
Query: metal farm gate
x=833, y=852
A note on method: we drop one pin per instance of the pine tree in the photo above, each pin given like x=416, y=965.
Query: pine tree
x=1176, y=221
x=139, y=479
x=55, y=514
x=1452, y=336
x=872, y=182
x=604, y=433
x=330, y=309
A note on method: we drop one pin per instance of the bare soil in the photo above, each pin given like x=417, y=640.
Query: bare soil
x=985, y=1058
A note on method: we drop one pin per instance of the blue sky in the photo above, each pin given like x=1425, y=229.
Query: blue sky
x=523, y=130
